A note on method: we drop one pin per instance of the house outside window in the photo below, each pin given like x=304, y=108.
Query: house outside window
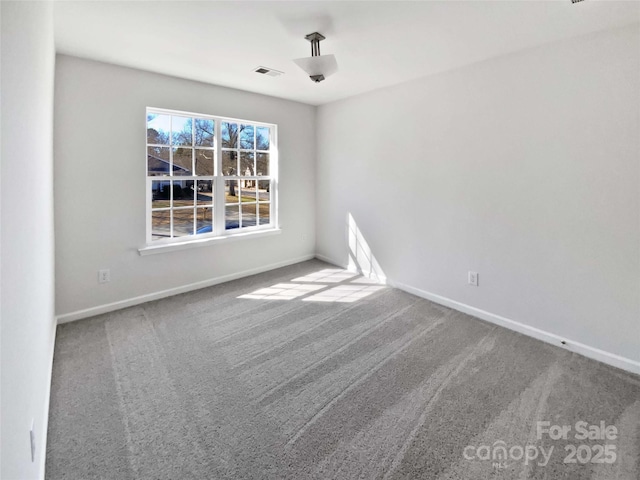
x=208, y=176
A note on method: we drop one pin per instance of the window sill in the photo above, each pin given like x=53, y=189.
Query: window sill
x=205, y=242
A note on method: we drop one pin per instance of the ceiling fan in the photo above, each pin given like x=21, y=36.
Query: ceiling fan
x=317, y=66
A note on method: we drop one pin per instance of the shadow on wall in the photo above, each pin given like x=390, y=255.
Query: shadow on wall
x=361, y=258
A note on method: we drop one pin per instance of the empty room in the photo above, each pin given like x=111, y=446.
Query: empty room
x=300, y=240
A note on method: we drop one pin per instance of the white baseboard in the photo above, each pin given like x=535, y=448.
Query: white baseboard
x=568, y=344
x=331, y=261
x=382, y=280
x=110, y=307
x=577, y=347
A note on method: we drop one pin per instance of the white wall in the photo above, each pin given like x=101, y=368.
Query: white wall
x=100, y=183
x=524, y=168
x=27, y=258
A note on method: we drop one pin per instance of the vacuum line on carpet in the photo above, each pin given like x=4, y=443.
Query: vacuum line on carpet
x=335, y=352
x=323, y=320
x=257, y=325
x=362, y=379
x=553, y=374
x=423, y=417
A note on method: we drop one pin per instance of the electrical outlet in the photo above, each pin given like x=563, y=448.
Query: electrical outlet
x=32, y=437
x=473, y=278
x=104, y=276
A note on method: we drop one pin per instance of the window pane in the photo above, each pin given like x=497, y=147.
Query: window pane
x=205, y=130
x=264, y=195
x=262, y=138
x=231, y=191
x=247, y=164
x=182, y=130
x=264, y=213
x=229, y=135
x=205, y=195
x=158, y=128
x=248, y=215
x=183, y=193
x=160, y=194
x=204, y=162
x=229, y=163
x=160, y=224
x=246, y=137
x=262, y=164
x=183, y=222
x=232, y=217
x=184, y=168
x=248, y=191
x=204, y=220
x=182, y=161
x=157, y=161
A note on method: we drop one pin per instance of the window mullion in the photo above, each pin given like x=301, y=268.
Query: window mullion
x=171, y=148
x=149, y=204
x=273, y=176
x=194, y=226
x=171, y=210
x=218, y=196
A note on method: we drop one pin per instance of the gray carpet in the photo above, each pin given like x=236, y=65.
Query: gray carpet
x=306, y=372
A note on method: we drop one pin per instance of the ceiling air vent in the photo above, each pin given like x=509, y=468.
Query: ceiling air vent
x=576, y=1
x=268, y=71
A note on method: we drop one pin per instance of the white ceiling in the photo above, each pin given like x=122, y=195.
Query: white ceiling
x=376, y=43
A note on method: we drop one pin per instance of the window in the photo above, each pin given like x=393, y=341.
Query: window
x=208, y=176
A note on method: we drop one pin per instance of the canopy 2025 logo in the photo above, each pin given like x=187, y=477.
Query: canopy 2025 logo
x=503, y=456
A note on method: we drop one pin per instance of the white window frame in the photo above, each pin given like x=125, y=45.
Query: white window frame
x=219, y=231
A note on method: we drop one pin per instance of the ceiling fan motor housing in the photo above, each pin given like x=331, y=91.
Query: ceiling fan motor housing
x=317, y=66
